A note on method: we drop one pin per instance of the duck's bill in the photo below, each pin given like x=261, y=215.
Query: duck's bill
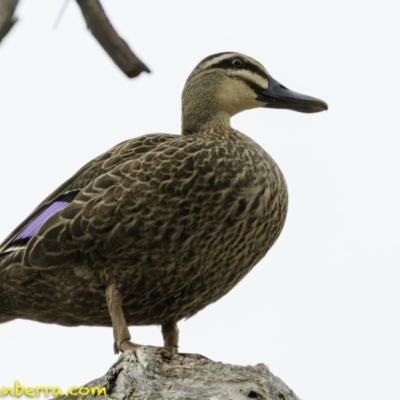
x=278, y=96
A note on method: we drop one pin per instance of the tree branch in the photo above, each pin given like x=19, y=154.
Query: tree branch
x=113, y=44
x=7, y=19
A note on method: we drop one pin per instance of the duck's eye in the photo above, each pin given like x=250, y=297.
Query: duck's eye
x=237, y=62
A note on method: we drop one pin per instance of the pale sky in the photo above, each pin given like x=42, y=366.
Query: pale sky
x=322, y=308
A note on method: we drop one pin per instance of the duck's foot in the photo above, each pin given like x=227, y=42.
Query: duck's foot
x=166, y=352
x=128, y=345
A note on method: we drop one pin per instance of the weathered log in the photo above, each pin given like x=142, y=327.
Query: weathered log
x=152, y=374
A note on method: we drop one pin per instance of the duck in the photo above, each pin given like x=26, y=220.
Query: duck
x=160, y=226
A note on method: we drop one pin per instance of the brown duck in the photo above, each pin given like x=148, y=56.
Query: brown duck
x=160, y=226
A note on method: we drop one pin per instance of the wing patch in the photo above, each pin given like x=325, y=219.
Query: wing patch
x=32, y=224
x=39, y=220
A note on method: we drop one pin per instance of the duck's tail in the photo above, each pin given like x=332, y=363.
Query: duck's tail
x=6, y=263
x=4, y=315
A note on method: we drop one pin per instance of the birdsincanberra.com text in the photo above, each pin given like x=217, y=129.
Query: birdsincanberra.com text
x=18, y=390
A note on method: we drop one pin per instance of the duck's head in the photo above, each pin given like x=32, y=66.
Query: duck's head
x=225, y=84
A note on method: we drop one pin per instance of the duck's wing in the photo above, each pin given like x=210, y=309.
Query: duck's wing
x=66, y=193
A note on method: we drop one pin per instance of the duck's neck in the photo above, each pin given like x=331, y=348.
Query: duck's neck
x=200, y=111
x=196, y=121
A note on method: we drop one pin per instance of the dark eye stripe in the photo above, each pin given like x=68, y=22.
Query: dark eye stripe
x=256, y=88
x=247, y=66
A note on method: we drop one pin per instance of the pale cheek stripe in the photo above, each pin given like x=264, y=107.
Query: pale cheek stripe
x=35, y=224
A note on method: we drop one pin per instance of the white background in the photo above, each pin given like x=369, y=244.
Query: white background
x=322, y=309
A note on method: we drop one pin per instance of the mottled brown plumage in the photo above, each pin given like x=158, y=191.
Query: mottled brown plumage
x=159, y=226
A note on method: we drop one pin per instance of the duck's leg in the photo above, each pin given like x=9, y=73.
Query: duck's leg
x=120, y=328
x=121, y=333
x=170, y=334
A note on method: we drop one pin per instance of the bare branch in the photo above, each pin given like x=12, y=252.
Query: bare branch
x=113, y=44
x=7, y=19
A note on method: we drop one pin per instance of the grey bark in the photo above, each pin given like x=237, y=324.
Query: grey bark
x=148, y=374
x=7, y=19
x=112, y=43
